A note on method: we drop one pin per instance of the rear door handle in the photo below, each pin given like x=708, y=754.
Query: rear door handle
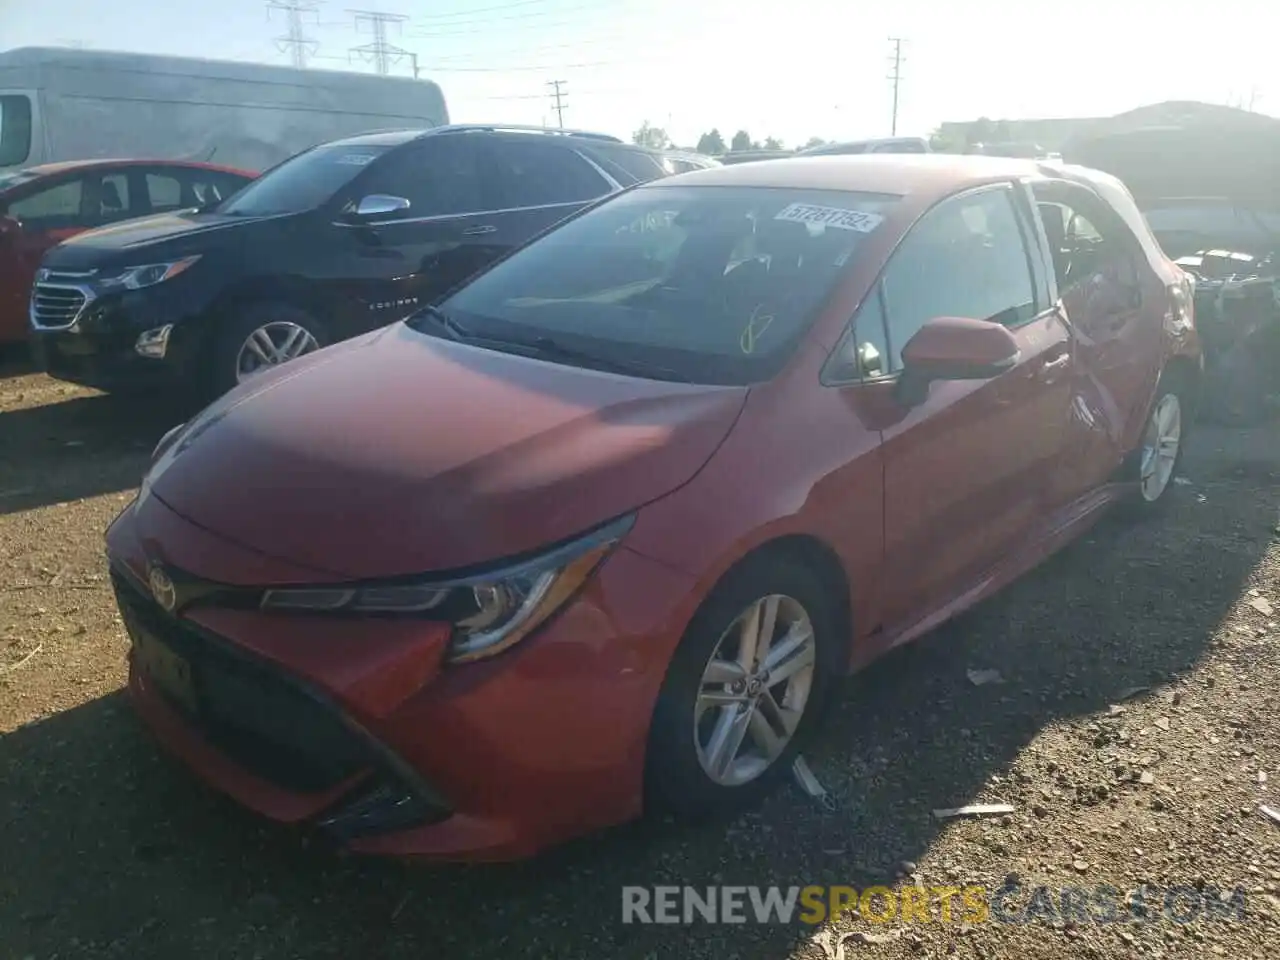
x=479, y=231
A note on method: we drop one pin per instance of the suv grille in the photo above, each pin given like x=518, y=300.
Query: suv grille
x=55, y=306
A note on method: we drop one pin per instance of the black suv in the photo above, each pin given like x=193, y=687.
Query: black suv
x=338, y=240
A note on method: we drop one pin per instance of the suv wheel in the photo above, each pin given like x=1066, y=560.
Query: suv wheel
x=263, y=335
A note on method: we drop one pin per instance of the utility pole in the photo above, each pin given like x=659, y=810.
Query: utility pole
x=295, y=42
x=558, y=96
x=381, y=53
x=896, y=79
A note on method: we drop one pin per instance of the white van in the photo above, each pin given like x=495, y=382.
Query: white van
x=69, y=104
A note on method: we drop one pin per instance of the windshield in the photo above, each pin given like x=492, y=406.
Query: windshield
x=303, y=182
x=16, y=178
x=709, y=284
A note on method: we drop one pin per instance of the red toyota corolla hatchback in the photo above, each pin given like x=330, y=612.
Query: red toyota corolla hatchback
x=597, y=533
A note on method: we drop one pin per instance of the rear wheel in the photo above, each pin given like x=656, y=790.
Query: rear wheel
x=262, y=336
x=743, y=691
x=1156, y=461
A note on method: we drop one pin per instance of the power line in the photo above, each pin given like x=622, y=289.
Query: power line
x=558, y=96
x=896, y=79
x=468, y=13
x=295, y=42
x=381, y=53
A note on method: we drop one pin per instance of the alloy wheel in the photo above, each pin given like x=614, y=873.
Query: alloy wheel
x=272, y=344
x=1160, y=447
x=754, y=690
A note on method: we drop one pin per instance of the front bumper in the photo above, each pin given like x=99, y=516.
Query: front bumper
x=353, y=726
x=99, y=350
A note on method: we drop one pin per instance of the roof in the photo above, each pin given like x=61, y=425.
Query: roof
x=199, y=66
x=381, y=138
x=49, y=169
x=891, y=173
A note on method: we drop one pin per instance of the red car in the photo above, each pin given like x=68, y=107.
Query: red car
x=42, y=206
x=597, y=533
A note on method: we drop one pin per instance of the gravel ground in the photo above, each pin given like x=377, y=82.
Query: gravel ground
x=109, y=849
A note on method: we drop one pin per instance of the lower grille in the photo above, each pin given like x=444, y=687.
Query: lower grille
x=54, y=306
x=271, y=727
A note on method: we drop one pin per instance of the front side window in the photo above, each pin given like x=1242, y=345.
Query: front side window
x=439, y=178
x=57, y=207
x=15, y=129
x=303, y=182
x=712, y=284
x=966, y=257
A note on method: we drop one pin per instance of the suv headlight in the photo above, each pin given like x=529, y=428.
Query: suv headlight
x=490, y=612
x=148, y=275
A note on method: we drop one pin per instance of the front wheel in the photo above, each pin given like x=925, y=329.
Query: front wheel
x=743, y=691
x=262, y=336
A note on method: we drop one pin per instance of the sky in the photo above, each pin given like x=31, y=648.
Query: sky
x=792, y=70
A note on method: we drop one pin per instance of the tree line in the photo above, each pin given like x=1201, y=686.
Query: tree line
x=712, y=143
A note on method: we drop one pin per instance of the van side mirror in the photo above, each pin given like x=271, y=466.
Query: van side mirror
x=10, y=227
x=954, y=348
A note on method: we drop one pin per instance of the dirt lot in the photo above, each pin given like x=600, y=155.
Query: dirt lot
x=108, y=849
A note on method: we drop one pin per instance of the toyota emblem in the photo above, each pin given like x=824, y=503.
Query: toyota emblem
x=162, y=589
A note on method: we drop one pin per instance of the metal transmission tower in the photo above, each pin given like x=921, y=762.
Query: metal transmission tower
x=295, y=42
x=557, y=94
x=378, y=51
x=895, y=78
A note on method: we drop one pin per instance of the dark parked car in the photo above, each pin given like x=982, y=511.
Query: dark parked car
x=42, y=206
x=336, y=241
x=598, y=532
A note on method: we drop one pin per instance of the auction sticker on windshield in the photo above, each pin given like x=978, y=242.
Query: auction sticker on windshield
x=836, y=217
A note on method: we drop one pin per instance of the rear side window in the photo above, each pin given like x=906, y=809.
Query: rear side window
x=638, y=167
x=165, y=192
x=540, y=174
x=15, y=129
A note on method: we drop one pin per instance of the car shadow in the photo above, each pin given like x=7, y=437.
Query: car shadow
x=80, y=447
x=110, y=845
x=15, y=360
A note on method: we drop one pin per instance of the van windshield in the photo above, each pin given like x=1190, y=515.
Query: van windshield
x=303, y=182
x=707, y=284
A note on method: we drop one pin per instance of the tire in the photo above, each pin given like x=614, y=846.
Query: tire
x=1156, y=462
x=278, y=320
x=677, y=777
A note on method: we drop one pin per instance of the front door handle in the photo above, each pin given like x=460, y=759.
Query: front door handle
x=479, y=231
x=1051, y=370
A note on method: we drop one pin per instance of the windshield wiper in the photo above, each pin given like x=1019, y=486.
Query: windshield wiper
x=548, y=348
x=445, y=322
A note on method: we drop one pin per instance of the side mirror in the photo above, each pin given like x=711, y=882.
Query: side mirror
x=954, y=348
x=10, y=227
x=379, y=205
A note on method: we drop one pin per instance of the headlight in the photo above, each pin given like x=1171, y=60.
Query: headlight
x=167, y=441
x=135, y=278
x=489, y=612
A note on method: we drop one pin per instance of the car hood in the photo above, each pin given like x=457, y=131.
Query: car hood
x=165, y=234
x=399, y=453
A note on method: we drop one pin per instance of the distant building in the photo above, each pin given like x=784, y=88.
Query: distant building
x=1050, y=134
